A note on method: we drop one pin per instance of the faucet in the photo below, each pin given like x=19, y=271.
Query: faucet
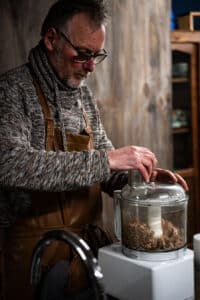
x=81, y=248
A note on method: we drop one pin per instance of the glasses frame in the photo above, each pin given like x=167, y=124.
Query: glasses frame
x=84, y=56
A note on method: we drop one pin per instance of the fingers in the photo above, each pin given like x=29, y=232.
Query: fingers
x=163, y=175
x=149, y=163
x=146, y=168
x=144, y=172
x=142, y=159
x=154, y=175
x=133, y=157
x=145, y=161
x=182, y=182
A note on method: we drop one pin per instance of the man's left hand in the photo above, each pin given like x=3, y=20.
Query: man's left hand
x=163, y=175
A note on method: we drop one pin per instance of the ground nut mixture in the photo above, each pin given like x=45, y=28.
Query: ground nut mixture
x=140, y=236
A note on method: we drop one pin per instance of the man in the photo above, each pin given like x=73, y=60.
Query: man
x=55, y=154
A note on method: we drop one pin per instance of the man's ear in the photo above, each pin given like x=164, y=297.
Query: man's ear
x=50, y=39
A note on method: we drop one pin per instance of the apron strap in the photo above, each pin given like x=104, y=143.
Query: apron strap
x=51, y=142
x=88, y=128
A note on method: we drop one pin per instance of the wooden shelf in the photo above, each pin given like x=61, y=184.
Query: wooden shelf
x=186, y=143
x=180, y=130
x=185, y=36
x=186, y=173
x=180, y=79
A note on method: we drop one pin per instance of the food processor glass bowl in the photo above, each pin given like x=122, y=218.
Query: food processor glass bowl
x=153, y=219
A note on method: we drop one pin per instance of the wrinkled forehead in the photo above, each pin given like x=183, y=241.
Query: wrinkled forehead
x=84, y=33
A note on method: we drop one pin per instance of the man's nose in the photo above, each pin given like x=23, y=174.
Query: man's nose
x=89, y=65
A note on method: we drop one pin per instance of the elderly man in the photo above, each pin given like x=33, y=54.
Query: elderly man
x=55, y=154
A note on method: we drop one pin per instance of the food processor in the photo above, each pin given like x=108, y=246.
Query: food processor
x=151, y=261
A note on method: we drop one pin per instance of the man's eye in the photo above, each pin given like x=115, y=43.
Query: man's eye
x=83, y=54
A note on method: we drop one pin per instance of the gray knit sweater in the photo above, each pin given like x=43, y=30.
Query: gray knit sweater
x=25, y=165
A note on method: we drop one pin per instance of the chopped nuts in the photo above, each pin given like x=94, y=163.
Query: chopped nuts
x=140, y=236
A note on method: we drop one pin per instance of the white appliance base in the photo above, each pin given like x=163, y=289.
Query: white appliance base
x=132, y=279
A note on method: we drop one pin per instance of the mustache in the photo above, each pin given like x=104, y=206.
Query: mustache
x=85, y=74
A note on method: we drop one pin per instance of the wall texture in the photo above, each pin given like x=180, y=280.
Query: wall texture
x=20, y=22
x=133, y=86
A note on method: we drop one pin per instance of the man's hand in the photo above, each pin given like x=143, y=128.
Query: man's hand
x=133, y=157
x=163, y=175
x=142, y=159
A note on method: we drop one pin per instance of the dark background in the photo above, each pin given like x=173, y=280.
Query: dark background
x=183, y=7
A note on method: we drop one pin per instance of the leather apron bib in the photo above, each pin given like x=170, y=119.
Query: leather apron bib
x=77, y=211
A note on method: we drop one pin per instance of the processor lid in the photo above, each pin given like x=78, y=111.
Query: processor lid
x=153, y=193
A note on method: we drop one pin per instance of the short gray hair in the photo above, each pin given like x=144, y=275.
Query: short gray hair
x=63, y=10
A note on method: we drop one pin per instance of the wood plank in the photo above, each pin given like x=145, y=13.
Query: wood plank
x=134, y=85
x=186, y=173
x=183, y=36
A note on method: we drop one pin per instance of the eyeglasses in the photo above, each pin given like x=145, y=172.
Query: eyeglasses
x=84, y=55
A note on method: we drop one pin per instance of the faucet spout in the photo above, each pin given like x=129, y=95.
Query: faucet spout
x=81, y=248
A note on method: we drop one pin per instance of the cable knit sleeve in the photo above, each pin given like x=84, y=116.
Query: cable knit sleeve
x=24, y=166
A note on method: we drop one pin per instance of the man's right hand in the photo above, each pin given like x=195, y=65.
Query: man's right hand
x=133, y=157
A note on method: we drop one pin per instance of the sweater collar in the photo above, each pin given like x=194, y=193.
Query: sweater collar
x=44, y=73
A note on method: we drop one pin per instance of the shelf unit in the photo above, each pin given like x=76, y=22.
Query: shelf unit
x=185, y=48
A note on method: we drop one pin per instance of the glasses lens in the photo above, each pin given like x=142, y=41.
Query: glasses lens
x=99, y=58
x=84, y=57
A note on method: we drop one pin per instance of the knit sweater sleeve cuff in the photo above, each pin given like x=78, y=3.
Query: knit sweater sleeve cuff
x=104, y=167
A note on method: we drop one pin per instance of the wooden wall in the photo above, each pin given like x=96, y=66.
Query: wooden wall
x=132, y=86
x=20, y=22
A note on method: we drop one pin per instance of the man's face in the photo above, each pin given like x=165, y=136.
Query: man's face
x=62, y=55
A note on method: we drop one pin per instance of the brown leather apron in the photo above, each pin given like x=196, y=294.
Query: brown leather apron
x=77, y=211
